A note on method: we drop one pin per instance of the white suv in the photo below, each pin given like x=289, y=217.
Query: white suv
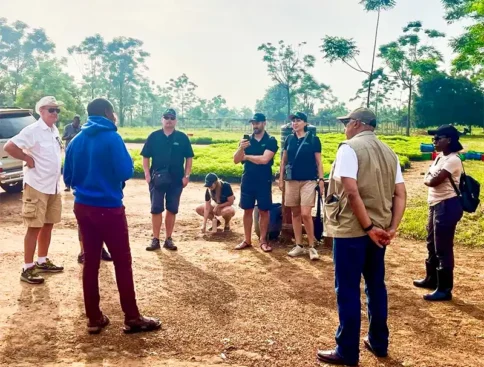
x=12, y=121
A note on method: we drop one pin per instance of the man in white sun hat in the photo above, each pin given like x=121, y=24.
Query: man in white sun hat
x=39, y=146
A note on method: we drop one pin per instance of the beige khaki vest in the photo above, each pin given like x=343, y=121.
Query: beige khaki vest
x=377, y=165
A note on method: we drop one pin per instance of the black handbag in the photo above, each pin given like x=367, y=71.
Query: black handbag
x=318, y=220
x=468, y=191
x=162, y=176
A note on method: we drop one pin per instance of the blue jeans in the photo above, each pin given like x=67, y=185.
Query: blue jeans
x=353, y=257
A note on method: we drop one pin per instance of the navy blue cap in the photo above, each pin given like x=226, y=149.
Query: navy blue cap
x=258, y=117
x=210, y=179
x=300, y=116
x=170, y=112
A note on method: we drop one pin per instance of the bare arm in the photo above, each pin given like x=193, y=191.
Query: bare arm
x=146, y=169
x=239, y=155
x=260, y=159
x=356, y=203
x=437, y=180
x=319, y=164
x=14, y=151
x=283, y=166
x=399, y=204
x=188, y=166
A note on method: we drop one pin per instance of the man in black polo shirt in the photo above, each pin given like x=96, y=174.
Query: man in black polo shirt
x=257, y=156
x=171, y=155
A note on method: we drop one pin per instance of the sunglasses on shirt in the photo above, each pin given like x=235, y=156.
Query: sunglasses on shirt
x=172, y=118
x=52, y=110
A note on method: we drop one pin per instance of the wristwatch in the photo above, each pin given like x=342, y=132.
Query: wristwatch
x=369, y=228
x=320, y=179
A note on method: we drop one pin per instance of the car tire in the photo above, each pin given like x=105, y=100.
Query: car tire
x=14, y=188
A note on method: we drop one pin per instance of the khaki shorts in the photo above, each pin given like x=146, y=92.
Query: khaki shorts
x=39, y=208
x=300, y=193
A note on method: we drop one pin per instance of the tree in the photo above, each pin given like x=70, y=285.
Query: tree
x=409, y=60
x=378, y=6
x=274, y=103
x=49, y=79
x=21, y=48
x=89, y=58
x=345, y=50
x=470, y=45
x=309, y=93
x=328, y=114
x=287, y=66
x=182, y=90
x=443, y=99
x=124, y=58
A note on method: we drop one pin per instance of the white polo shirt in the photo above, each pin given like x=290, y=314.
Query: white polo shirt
x=346, y=164
x=43, y=144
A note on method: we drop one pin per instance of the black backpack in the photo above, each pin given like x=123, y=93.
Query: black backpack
x=468, y=191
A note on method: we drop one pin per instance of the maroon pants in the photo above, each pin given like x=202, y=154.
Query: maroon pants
x=106, y=225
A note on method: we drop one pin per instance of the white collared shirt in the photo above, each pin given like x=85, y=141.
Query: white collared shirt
x=43, y=144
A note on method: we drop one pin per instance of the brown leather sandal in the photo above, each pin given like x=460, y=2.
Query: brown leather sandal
x=242, y=246
x=265, y=247
x=98, y=326
x=142, y=324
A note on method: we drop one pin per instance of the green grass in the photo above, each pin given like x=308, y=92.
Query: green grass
x=470, y=231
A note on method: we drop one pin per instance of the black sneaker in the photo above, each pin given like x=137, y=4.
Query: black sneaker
x=80, y=258
x=169, y=245
x=155, y=245
x=48, y=267
x=105, y=255
x=31, y=276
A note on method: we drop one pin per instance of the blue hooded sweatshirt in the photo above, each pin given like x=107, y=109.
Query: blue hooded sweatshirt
x=97, y=164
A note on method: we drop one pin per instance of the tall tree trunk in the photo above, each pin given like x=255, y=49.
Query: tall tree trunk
x=288, y=101
x=370, y=79
x=409, y=109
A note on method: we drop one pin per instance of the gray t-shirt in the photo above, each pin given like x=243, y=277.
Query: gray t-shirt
x=70, y=132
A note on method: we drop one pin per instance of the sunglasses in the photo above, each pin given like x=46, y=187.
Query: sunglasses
x=52, y=110
x=437, y=138
x=172, y=118
x=346, y=122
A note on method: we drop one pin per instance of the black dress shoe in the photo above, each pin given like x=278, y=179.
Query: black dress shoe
x=331, y=357
x=155, y=245
x=368, y=346
x=105, y=255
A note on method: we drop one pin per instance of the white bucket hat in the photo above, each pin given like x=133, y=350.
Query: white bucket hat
x=47, y=101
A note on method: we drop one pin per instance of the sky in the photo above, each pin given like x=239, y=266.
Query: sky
x=215, y=42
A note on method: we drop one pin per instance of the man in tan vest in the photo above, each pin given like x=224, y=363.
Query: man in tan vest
x=364, y=206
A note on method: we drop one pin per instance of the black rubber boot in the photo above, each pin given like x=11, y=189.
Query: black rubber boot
x=430, y=280
x=444, y=288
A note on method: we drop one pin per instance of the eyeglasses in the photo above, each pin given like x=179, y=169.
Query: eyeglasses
x=52, y=110
x=172, y=118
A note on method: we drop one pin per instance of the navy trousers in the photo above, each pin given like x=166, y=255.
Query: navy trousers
x=353, y=257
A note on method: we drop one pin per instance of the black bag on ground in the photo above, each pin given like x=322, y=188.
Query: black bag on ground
x=318, y=220
x=468, y=191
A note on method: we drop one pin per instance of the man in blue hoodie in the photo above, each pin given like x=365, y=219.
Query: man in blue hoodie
x=97, y=165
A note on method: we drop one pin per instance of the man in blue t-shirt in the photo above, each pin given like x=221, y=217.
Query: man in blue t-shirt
x=257, y=156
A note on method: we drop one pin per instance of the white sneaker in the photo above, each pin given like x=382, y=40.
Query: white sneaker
x=313, y=254
x=296, y=251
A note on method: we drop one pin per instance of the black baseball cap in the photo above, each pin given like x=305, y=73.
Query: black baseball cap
x=258, y=117
x=300, y=116
x=365, y=115
x=451, y=132
x=169, y=112
x=210, y=179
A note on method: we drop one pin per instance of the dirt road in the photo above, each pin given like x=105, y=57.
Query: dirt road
x=256, y=309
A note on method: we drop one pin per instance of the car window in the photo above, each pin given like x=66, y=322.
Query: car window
x=11, y=124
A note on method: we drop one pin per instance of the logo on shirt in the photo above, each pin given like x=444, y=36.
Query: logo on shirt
x=263, y=145
x=176, y=143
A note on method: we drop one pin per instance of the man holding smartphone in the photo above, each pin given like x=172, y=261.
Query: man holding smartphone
x=256, y=152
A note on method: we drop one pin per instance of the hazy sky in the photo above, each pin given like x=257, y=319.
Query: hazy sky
x=215, y=41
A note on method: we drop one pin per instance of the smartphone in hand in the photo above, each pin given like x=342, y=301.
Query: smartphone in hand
x=247, y=137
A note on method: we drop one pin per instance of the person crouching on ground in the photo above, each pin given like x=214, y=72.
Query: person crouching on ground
x=302, y=157
x=445, y=211
x=223, y=196
x=97, y=166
